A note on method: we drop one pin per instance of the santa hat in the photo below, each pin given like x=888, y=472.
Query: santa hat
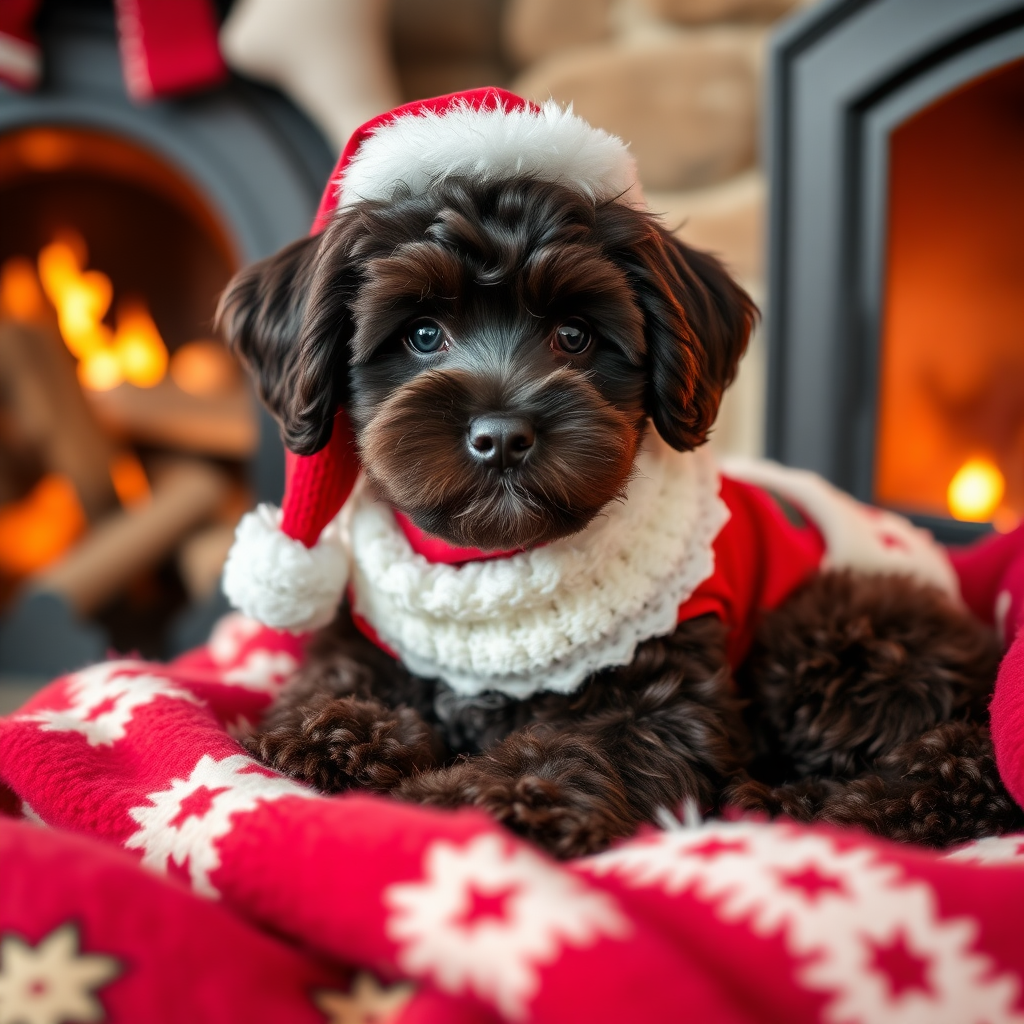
x=287, y=568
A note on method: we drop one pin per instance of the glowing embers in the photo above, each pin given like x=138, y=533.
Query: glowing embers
x=38, y=529
x=976, y=492
x=204, y=368
x=134, y=352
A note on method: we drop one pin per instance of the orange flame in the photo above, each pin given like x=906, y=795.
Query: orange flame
x=976, y=490
x=129, y=479
x=135, y=352
x=80, y=298
x=21, y=297
x=38, y=529
x=204, y=368
x=140, y=349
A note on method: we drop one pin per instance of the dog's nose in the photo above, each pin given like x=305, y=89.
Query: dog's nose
x=500, y=441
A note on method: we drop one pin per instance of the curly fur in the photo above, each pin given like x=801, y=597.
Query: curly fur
x=863, y=702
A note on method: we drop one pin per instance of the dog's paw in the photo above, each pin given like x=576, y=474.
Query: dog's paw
x=569, y=802
x=339, y=743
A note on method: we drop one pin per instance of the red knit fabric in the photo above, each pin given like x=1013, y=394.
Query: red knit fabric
x=1007, y=714
x=742, y=922
x=20, y=56
x=129, y=927
x=316, y=486
x=981, y=568
x=991, y=576
x=168, y=47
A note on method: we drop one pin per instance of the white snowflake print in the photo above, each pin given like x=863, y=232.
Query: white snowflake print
x=263, y=671
x=867, y=936
x=53, y=982
x=103, y=700
x=239, y=727
x=366, y=1002
x=31, y=815
x=993, y=850
x=487, y=914
x=184, y=822
x=229, y=637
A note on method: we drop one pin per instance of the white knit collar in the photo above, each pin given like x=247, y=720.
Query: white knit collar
x=547, y=618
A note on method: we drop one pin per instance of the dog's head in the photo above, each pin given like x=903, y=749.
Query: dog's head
x=499, y=348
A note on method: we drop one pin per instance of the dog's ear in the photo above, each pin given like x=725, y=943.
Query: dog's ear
x=287, y=318
x=697, y=324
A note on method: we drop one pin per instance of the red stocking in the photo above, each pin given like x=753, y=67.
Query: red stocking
x=168, y=47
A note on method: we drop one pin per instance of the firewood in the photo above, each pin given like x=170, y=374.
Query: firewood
x=186, y=493
x=201, y=559
x=224, y=426
x=47, y=419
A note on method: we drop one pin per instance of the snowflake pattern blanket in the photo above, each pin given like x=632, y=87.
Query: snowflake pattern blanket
x=356, y=909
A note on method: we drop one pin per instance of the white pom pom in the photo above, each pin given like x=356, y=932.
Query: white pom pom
x=280, y=582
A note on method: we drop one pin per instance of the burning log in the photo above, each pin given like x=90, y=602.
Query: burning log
x=186, y=493
x=46, y=417
x=223, y=426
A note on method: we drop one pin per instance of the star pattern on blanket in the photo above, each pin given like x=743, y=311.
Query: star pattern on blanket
x=53, y=981
x=865, y=934
x=993, y=850
x=230, y=635
x=182, y=825
x=487, y=915
x=103, y=699
x=366, y=1002
x=263, y=671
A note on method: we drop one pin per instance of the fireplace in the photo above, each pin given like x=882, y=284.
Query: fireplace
x=895, y=310
x=125, y=427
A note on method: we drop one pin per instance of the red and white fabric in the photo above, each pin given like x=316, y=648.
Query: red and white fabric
x=21, y=60
x=168, y=47
x=448, y=919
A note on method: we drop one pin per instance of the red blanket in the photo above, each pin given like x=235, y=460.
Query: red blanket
x=445, y=917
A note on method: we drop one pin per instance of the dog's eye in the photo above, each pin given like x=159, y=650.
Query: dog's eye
x=573, y=337
x=425, y=337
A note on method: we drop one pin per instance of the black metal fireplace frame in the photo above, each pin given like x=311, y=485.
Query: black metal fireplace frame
x=260, y=164
x=842, y=76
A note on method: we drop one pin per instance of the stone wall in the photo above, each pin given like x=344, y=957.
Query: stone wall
x=680, y=80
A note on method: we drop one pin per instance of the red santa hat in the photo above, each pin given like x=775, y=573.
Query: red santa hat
x=287, y=569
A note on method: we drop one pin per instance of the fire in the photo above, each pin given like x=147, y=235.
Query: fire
x=38, y=529
x=21, y=298
x=129, y=479
x=204, y=368
x=976, y=490
x=139, y=347
x=81, y=299
x=135, y=352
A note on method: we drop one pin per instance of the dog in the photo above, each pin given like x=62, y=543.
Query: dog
x=528, y=370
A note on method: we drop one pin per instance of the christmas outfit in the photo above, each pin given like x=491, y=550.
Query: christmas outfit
x=687, y=540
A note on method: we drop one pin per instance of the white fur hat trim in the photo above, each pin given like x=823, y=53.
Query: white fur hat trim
x=280, y=582
x=551, y=144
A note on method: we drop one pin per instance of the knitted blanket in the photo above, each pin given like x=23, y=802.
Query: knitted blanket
x=358, y=909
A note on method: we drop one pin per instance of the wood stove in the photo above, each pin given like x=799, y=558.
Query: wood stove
x=895, y=314
x=152, y=208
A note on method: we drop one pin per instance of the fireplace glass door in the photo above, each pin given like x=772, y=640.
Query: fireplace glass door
x=950, y=435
